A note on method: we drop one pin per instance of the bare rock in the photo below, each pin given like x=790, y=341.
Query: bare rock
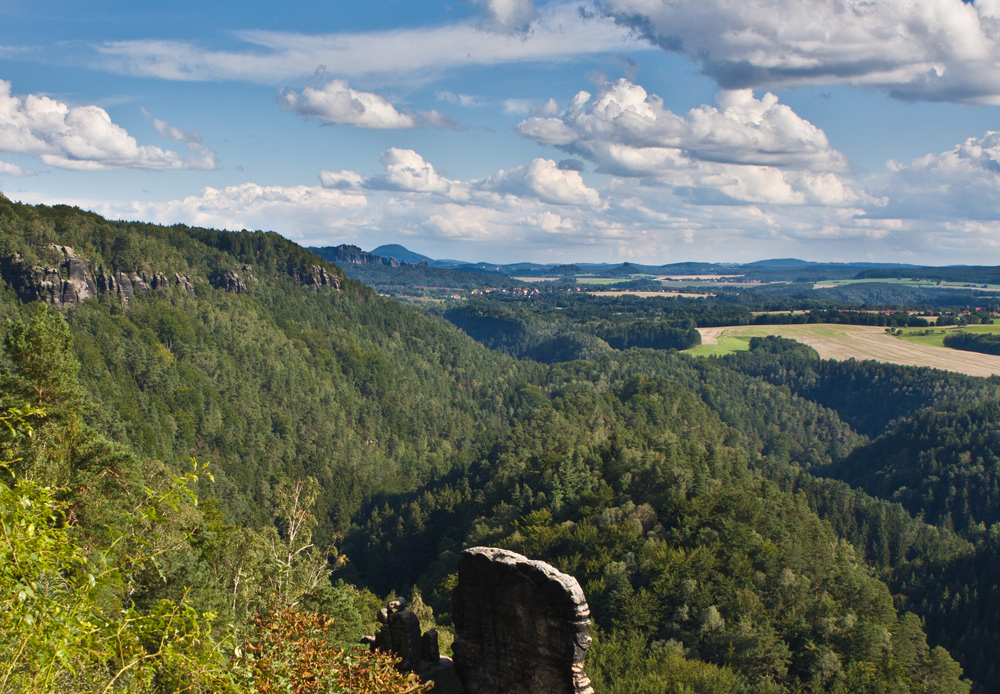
x=232, y=282
x=185, y=282
x=399, y=634
x=62, y=285
x=522, y=627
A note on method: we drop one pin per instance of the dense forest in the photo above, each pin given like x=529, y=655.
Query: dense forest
x=971, y=342
x=212, y=484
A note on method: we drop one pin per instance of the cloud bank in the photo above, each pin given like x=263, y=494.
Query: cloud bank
x=747, y=149
x=83, y=137
x=941, y=50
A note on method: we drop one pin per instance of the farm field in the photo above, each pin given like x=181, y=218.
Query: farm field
x=920, y=283
x=935, y=336
x=853, y=342
x=669, y=294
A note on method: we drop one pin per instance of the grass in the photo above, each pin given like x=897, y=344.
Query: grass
x=727, y=345
x=860, y=342
x=934, y=337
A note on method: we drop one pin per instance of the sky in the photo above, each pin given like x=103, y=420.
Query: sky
x=650, y=131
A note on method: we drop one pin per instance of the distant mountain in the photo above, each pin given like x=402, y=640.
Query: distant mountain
x=401, y=253
x=352, y=255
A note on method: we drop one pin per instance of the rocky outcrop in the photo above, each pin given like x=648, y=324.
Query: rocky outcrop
x=69, y=282
x=230, y=281
x=399, y=634
x=316, y=276
x=346, y=253
x=124, y=285
x=521, y=626
x=63, y=285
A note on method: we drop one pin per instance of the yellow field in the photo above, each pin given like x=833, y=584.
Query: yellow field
x=864, y=342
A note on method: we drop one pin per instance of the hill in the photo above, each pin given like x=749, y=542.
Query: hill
x=401, y=254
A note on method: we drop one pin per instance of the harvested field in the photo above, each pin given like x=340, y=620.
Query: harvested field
x=865, y=342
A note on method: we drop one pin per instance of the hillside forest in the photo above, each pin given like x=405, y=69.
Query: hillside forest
x=213, y=481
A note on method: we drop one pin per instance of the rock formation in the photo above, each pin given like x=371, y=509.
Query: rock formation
x=63, y=285
x=400, y=635
x=521, y=626
x=69, y=282
x=355, y=256
x=316, y=276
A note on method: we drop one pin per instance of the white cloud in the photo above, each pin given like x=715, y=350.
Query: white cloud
x=960, y=184
x=466, y=100
x=336, y=102
x=81, y=137
x=542, y=178
x=916, y=49
x=191, y=138
x=296, y=211
x=507, y=16
x=273, y=57
x=623, y=120
x=747, y=149
x=406, y=171
x=340, y=179
x=8, y=169
x=517, y=107
x=636, y=221
x=549, y=108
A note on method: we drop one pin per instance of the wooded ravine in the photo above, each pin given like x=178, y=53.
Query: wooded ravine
x=213, y=482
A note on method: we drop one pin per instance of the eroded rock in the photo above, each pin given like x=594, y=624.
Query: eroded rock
x=63, y=285
x=521, y=626
x=400, y=635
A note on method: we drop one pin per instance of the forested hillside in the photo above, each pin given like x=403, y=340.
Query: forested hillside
x=357, y=445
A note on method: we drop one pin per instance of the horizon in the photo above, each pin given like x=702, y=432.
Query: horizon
x=565, y=131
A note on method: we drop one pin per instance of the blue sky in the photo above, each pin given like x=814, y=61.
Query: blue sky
x=507, y=130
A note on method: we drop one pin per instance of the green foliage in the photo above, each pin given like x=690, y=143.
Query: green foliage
x=986, y=343
x=680, y=492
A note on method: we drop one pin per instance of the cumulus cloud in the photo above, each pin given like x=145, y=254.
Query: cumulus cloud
x=405, y=171
x=915, y=49
x=336, y=102
x=8, y=169
x=80, y=137
x=543, y=179
x=962, y=183
x=746, y=149
x=615, y=127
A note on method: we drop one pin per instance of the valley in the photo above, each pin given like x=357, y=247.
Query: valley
x=215, y=441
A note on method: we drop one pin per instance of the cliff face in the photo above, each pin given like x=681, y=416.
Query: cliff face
x=521, y=626
x=71, y=280
x=355, y=256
